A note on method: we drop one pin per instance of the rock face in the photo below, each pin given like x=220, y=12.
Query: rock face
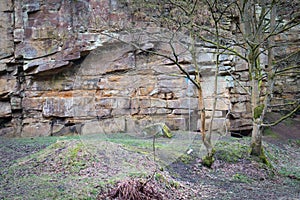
x=61, y=73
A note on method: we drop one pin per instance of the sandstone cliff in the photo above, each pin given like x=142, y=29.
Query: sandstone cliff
x=59, y=74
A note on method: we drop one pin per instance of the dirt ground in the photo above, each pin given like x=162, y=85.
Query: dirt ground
x=286, y=130
x=62, y=169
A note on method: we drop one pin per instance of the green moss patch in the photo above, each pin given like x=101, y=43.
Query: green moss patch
x=231, y=151
x=258, y=111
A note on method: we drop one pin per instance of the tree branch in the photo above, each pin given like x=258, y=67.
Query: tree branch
x=282, y=118
x=287, y=69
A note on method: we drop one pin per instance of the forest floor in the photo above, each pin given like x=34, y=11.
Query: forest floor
x=96, y=167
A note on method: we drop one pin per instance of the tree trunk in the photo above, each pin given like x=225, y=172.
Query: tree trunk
x=254, y=34
x=257, y=109
x=205, y=138
x=256, y=140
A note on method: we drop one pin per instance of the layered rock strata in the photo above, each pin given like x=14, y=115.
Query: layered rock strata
x=61, y=73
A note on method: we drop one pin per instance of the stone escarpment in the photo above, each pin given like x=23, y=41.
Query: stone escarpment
x=61, y=74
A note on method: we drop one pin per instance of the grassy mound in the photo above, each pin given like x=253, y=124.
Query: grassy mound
x=99, y=166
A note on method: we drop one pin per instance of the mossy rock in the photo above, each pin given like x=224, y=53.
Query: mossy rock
x=158, y=129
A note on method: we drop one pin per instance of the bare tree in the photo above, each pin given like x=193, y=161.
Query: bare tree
x=184, y=18
x=259, y=24
x=256, y=23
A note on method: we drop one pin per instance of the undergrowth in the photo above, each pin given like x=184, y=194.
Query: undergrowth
x=281, y=160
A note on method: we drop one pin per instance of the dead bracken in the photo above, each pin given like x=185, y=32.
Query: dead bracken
x=134, y=189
